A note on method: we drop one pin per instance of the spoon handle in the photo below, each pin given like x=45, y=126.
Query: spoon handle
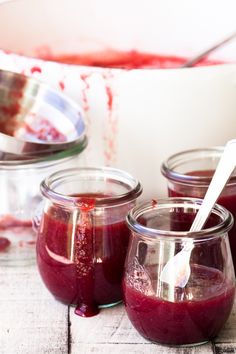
x=223, y=171
x=199, y=57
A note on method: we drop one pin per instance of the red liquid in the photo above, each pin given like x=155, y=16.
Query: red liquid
x=94, y=275
x=124, y=60
x=228, y=201
x=15, y=232
x=187, y=319
x=4, y=243
x=41, y=129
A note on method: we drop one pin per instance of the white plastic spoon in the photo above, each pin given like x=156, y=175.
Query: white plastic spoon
x=177, y=270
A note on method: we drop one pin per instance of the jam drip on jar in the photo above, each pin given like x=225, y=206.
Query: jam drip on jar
x=84, y=259
x=81, y=254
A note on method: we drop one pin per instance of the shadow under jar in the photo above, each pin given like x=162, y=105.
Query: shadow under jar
x=189, y=174
x=162, y=312
x=83, y=237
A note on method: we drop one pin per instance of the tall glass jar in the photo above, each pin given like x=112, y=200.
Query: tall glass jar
x=83, y=237
x=164, y=311
x=20, y=196
x=189, y=173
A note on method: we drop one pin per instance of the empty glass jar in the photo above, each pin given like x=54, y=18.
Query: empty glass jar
x=20, y=196
x=170, y=311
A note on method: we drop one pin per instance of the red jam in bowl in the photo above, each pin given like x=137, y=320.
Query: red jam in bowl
x=132, y=59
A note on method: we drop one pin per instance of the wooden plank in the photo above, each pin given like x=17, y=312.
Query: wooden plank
x=110, y=326
x=225, y=348
x=147, y=348
x=112, y=332
x=228, y=333
x=32, y=322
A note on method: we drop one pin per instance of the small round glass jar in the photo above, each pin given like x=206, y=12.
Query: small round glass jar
x=189, y=173
x=161, y=311
x=83, y=237
x=20, y=196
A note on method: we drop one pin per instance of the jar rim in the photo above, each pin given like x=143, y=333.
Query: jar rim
x=47, y=161
x=223, y=226
x=169, y=166
x=135, y=188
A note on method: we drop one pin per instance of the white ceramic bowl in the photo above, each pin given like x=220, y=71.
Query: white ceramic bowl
x=154, y=113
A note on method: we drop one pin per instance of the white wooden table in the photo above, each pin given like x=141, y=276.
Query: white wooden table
x=32, y=322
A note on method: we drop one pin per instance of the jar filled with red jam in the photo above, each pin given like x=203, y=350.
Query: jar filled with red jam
x=19, y=197
x=189, y=174
x=83, y=237
x=175, y=311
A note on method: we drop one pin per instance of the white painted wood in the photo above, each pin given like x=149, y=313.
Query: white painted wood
x=33, y=322
x=112, y=332
x=140, y=349
x=225, y=349
x=228, y=333
x=110, y=326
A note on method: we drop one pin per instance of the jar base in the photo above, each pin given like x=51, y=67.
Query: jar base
x=100, y=307
x=181, y=345
x=19, y=247
x=189, y=345
x=110, y=305
x=84, y=310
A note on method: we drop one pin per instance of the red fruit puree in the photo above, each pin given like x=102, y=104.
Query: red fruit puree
x=10, y=226
x=196, y=314
x=92, y=276
x=132, y=59
x=228, y=201
x=4, y=243
x=39, y=128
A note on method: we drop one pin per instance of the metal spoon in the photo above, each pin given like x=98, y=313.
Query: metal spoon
x=200, y=56
x=177, y=270
x=36, y=120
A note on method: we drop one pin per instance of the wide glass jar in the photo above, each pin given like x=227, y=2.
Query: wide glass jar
x=190, y=313
x=189, y=173
x=20, y=196
x=83, y=237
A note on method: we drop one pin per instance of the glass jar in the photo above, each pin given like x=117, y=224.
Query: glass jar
x=161, y=311
x=83, y=237
x=189, y=173
x=20, y=196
